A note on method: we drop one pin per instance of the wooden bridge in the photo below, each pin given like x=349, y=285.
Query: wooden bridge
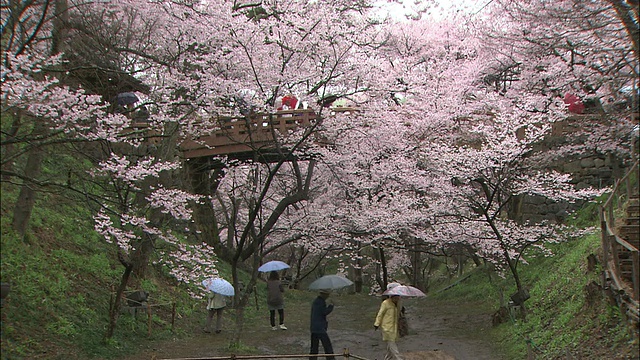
x=247, y=134
x=256, y=133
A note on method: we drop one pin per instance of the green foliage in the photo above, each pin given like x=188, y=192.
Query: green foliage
x=589, y=214
x=473, y=287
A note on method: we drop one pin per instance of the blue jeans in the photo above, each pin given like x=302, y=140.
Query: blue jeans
x=326, y=344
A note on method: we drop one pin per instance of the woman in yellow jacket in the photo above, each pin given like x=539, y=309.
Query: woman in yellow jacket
x=387, y=319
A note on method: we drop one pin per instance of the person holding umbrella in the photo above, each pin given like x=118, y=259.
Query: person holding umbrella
x=215, y=306
x=387, y=319
x=275, y=300
x=319, y=325
x=219, y=289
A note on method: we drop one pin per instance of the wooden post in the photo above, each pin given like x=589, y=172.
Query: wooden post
x=605, y=242
x=614, y=253
x=636, y=281
x=255, y=294
x=148, y=319
x=173, y=314
x=530, y=355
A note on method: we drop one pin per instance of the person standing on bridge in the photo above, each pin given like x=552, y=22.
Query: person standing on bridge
x=387, y=320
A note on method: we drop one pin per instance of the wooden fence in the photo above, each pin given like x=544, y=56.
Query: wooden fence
x=143, y=306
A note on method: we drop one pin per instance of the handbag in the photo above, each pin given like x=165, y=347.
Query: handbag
x=403, y=325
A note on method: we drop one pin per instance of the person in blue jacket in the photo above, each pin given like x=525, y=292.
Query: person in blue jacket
x=319, y=325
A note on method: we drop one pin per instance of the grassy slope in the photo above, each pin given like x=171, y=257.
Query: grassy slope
x=63, y=275
x=62, y=279
x=559, y=321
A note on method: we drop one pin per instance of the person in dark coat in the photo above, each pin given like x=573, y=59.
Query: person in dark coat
x=275, y=300
x=319, y=325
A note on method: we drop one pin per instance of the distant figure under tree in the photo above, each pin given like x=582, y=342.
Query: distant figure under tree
x=275, y=300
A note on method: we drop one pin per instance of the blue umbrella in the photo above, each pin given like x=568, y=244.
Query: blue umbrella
x=274, y=265
x=219, y=286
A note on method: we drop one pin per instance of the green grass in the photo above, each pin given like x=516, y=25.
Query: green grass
x=558, y=318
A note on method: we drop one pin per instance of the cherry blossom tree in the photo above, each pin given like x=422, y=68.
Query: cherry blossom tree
x=445, y=137
x=136, y=202
x=553, y=51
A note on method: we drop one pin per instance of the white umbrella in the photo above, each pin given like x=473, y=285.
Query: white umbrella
x=330, y=282
x=219, y=286
x=274, y=265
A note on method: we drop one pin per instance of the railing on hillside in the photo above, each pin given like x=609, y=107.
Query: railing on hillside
x=244, y=134
x=132, y=307
x=613, y=245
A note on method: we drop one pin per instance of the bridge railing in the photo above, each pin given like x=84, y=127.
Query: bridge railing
x=613, y=244
x=239, y=134
x=242, y=134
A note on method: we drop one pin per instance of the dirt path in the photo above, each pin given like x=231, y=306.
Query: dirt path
x=436, y=333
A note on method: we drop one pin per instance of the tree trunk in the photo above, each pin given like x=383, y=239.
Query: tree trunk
x=140, y=258
x=203, y=215
x=242, y=298
x=115, y=309
x=626, y=14
x=7, y=150
x=383, y=265
x=27, y=197
x=357, y=269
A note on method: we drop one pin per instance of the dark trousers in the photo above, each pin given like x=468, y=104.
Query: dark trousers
x=326, y=344
x=272, y=316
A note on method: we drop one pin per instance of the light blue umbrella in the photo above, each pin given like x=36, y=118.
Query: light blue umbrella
x=219, y=286
x=274, y=265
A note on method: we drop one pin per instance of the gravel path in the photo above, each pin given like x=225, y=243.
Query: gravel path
x=436, y=333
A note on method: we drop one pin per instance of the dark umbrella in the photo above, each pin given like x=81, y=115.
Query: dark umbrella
x=127, y=98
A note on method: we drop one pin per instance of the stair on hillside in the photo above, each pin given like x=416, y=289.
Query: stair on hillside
x=630, y=232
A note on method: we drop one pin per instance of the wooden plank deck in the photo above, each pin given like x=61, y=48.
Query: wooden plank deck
x=258, y=133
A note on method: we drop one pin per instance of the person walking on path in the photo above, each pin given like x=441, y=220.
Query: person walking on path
x=319, y=325
x=275, y=300
x=215, y=306
x=387, y=320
